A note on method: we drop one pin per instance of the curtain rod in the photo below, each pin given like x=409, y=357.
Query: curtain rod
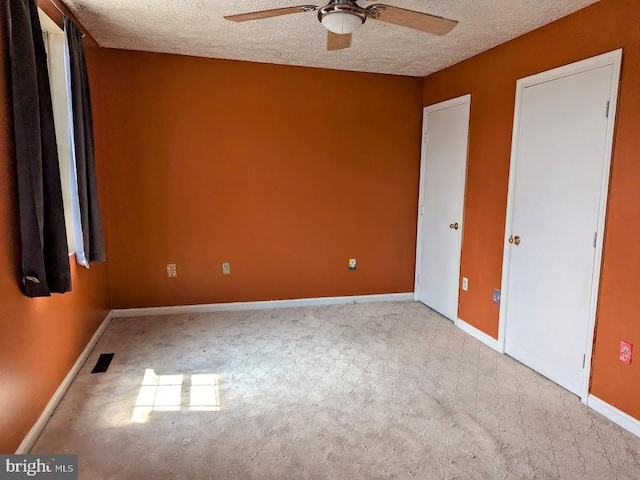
x=60, y=10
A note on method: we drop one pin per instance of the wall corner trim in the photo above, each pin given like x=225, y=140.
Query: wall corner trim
x=618, y=417
x=478, y=335
x=41, y=423
x=261, y=305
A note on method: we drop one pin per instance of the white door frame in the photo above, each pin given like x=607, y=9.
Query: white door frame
x=454, y=102
x=612, y=58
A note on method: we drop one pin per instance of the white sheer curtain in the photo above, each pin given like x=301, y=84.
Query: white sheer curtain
x=78, y=238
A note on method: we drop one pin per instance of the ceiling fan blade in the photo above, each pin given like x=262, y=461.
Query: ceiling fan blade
x=411, y=19
x=337, y=42
x=276, y=12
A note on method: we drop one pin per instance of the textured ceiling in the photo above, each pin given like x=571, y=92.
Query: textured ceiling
x=196, y=27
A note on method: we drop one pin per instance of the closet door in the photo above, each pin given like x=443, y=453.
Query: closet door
x=442, y=186
x=559, y=167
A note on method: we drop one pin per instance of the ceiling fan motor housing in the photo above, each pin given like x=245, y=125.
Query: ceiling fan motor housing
x=342, y=16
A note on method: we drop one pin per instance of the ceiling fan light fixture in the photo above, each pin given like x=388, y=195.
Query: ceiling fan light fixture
x=342, y=23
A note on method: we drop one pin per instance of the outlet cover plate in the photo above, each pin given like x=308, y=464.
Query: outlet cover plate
x=226, y=268
x=496, y=297
x=352, y=264
x=626, y=350
x=171, y=270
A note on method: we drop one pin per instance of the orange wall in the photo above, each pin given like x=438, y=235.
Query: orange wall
x=40, y=339
x=285, y=172
x=491, y=80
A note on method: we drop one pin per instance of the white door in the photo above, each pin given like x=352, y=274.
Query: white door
x=560, y=143
x=442, y=184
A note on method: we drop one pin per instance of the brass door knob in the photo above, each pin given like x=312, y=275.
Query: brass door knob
x=516, y=240
x=511, y=239
x=451, y=226
x=454, y=226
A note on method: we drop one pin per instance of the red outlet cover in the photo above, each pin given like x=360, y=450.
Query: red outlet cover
x=625, y=352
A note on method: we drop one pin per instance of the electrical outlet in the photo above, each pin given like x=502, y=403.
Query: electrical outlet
x=496, y=297
x=226, y=268
x=465, y=283
x=626, y=350
x=352, y=264
x=171, y=270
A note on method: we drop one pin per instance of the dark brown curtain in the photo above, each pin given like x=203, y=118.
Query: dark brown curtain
x=45, y=259
x=91, y=219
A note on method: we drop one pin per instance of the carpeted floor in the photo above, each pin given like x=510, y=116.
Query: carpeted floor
x=365, y=391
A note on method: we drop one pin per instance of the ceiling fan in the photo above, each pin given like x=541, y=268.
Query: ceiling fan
x=343, y=17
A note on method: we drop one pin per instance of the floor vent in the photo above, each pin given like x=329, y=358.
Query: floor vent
x=103, y=363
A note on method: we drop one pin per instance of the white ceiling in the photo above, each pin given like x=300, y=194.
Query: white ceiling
x=196, y=27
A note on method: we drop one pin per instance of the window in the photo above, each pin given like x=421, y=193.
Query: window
x=54, y=44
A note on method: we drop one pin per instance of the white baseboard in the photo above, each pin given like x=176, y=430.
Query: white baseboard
x=478, y=335
x=38, y=427
x=227, y=307
x=625, y=420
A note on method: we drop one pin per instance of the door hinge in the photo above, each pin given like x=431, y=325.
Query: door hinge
x=422, y=209
x=595, y=238
x=584, y=360
x=426, y=138
x=418, y=278
x=607, y=109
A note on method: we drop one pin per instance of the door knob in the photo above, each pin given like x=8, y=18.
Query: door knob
x=454, y=226
x=511, y=239
x=515, y=239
